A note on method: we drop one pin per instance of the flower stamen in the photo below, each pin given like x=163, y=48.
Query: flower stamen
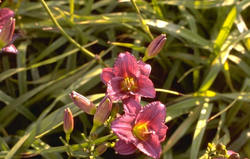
x=128, y=84
x=141, y=130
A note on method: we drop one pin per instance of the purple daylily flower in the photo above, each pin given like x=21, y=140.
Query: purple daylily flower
x=142, y=128
x=128, y=78
x=7, y=27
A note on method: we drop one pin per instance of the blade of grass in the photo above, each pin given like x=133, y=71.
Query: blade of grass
x=3, y=145
x=177, y=30
x=6, y=67
x=199, y=4
x=182, y=129
x=21, y=109
x=48, y=50
x=85, y=51
x=225, y=30
x=170, y=79
x=13, y=71
x=231, y=104
x=21, y=62
x=185, y=106
x=215, y=68
x=237, y=106
x=221, y=123
x=200, y=129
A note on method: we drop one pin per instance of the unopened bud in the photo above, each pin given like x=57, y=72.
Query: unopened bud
x=93, y=136
x=68, y=121
x=234, y=156
x=83, y=103
x=114, y=110
x=5, y=15
x=102, y=111
x=220, y=147
x=7, y=32
x=100, y=149
x=155, y=47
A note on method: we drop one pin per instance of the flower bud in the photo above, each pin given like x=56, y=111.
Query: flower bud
x=83, y=103
x=220, y=147
x=114, y=110
x=103, y=111
x=155, y=47
x=93, y=136
x=7, y=32
x=5, y=15
x=68, y=121
x=100, y=149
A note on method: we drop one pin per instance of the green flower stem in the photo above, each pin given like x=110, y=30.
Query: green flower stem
x=74, y=147
x=67, y=137
x=88, y=53
x=144, y=59
x=93, y=128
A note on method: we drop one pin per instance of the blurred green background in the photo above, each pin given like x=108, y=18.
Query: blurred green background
x=64, y=44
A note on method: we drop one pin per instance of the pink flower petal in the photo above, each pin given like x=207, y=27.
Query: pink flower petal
x=10, y=49
x=138, y=98
x=122, y=127
x=150, y=147
x=114, y=89
x=5, y=15
x=145, y=69
x=131, y=106
x=154, y=114
x=126, y=66
x=162, y=133
x=124, y=148
x=230, y=152
x=145, y=87
x=107, y=75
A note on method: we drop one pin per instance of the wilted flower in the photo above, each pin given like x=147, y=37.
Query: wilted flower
x=68, y=121
x=231, y=155
x=128, y=78
x=7, y=27
x=102, y=112
x=141, y=128
x=155, y=47
x=83, y=103
x=234, y=156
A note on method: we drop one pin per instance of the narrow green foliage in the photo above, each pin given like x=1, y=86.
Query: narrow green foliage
x=201, y=73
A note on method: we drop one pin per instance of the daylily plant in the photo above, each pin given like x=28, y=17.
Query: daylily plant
x=128, y=78
x=142, y=128
x=7, y=27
